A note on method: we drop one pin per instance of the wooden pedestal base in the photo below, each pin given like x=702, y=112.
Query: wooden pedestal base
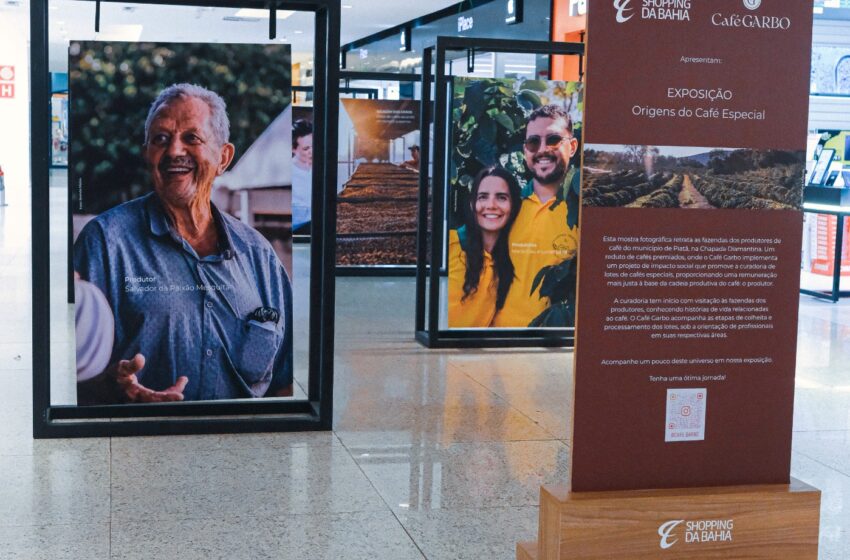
x=773, y=522
x=526, y=551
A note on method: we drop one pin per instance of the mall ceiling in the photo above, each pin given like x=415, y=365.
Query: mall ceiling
x=126, y=21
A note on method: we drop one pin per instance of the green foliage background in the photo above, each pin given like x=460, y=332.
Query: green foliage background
x=488, y=127
x=112, y=85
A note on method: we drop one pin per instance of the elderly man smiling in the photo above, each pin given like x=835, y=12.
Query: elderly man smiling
x=201, y=303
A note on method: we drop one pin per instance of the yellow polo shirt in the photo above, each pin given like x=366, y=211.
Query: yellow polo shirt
x=539, y=237
x=479, y=308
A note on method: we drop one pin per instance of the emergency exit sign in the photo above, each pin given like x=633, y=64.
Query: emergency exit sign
x=7, y=82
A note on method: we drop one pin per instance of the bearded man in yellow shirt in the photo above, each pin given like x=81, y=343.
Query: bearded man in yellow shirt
x=541, y=236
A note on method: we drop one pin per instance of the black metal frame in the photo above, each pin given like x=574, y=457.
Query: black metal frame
x=234, y=416
x=369, y=92
x=395, y=270
x=349, y=75
x=427, y=325
x=836, y=293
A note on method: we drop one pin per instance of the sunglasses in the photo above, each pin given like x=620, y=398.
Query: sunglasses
x=532, y=143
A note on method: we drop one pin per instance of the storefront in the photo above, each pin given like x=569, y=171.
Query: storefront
x=400, y=48
x=825, y=260
x=14, y=101
x=569, y=23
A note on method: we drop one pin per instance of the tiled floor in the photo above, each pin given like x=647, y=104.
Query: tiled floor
x=435, y=455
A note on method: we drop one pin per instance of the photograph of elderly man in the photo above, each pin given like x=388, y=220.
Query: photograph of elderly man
x=513, y=251
x=191, y=288
x=200, y=299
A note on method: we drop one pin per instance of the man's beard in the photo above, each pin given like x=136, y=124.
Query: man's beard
x=554, y=176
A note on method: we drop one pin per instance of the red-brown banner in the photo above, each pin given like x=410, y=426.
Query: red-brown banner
x=695, y=133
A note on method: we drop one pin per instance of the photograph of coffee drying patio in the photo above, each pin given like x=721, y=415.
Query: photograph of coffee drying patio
x=377, y=216
x=379, y=182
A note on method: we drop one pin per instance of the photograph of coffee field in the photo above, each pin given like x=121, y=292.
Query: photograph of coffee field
x=682, y=177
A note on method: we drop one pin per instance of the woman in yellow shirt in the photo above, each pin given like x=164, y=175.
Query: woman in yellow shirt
x=480, y=267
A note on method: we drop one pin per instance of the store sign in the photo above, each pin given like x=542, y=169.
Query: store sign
x=7, y=82
x=513, y=12
x=464, y=23
x=683, y=532
x=690, y=240
x=578, y=8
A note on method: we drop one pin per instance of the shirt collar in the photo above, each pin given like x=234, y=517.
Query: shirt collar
x=156, y=216
x=529, y=194
x=160, y=224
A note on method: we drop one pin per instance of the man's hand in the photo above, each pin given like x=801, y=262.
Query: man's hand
x=124, y=374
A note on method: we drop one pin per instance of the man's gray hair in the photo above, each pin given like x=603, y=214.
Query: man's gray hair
x=218, y=108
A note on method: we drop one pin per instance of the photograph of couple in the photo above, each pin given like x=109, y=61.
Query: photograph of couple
x=513, y=218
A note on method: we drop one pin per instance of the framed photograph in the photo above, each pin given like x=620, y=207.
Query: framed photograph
x=481, y=125
x=513, y=205
x=192, y=313
x=378, y=182
x=167, y=231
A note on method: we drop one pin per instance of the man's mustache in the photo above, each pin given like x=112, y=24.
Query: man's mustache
x=549, y=154
x=182, y=161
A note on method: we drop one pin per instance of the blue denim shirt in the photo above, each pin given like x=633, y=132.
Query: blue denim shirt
x=189, y=315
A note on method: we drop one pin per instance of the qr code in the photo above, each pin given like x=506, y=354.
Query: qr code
x=685, y=415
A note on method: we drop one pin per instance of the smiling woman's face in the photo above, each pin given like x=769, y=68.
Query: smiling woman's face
x=182, y=151
x=492, y=204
